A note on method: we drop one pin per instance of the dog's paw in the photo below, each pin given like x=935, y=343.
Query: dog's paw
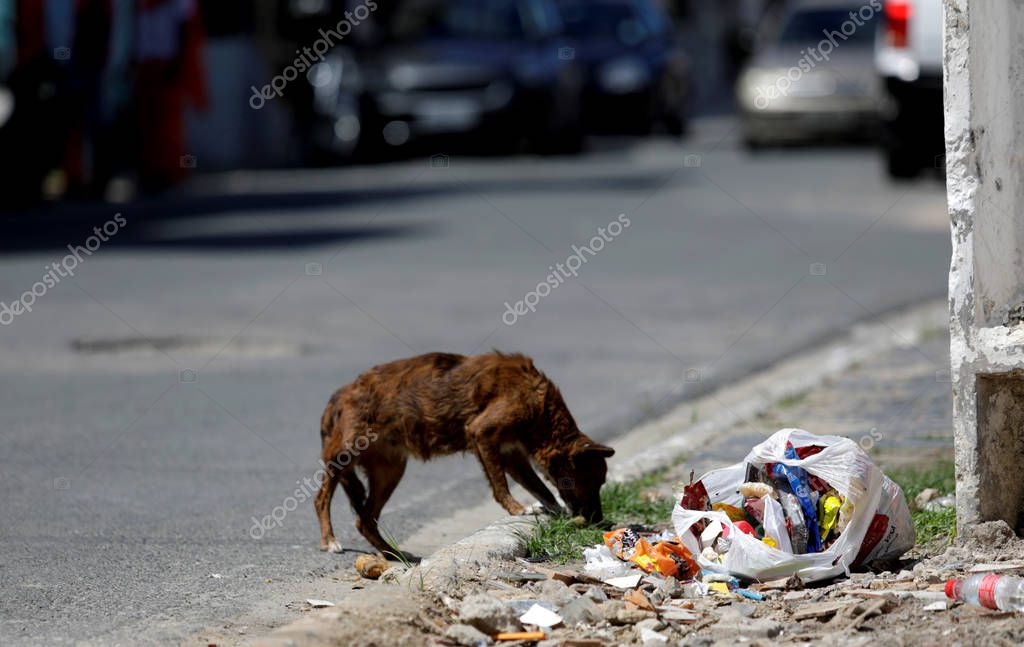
x=333, y=546
x=534, y=508
x=515, y=508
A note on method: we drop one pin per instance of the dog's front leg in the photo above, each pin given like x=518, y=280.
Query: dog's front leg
x=491, y=459
x=520, y=470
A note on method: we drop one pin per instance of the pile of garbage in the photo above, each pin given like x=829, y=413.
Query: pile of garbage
x=798, y=504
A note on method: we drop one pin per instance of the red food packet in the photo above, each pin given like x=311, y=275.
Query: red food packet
x=695, y=497
x=810, y=450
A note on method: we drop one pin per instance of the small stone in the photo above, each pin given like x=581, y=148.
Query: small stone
x=671, y=587
x=466, y=635
x=904, y=576
x=750, y=627
x=488, y=614
x=941, y=503
x=801, y=595
x=740, y=610
x=596, y=593
x=629, y=616
x=556, y=592
x=582, y=610
x=650, y=623
x=862, y=579
x=656, y=597
x=926, y=495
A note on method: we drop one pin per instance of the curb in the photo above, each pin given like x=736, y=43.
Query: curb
x=650, y=447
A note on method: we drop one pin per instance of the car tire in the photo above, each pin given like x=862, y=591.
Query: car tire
x=752, y=144
x=902, y=163
x=676, y=123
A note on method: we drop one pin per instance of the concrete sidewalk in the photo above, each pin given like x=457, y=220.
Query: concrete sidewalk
x=896, y=405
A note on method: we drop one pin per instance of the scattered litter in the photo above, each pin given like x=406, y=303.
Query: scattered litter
x=719, y=587
x=638, y=599
x=624, y=582
x=521, y=635
x=649, y=635
x=317, y=604
x=371, y=566
x=750, y=595
x=602, y=564
x=540, y=617
x=216, y=576
x=989, y=590
x=996, y=566
x=936, y=606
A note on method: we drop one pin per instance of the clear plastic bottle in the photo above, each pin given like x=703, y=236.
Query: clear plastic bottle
x=989, y=590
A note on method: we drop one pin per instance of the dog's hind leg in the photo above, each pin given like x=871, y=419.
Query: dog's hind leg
x=322, y=503
x=383, y=471
x=354, y=490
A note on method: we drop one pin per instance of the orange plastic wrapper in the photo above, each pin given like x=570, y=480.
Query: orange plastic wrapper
x=622, y=542
x=669, y=558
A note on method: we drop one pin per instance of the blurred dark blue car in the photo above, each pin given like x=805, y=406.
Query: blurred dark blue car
x=491, y=68
x=637, y=75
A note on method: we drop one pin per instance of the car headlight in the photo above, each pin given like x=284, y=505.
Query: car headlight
x=760, y=88
x=623, y=75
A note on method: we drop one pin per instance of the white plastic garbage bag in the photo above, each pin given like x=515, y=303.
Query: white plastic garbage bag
x=879, y=525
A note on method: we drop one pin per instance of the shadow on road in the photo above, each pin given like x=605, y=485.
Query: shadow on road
x=269, y=217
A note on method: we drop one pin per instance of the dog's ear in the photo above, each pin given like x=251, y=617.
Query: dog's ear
x=596, y=449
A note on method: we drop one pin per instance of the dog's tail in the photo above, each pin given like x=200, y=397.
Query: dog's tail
x=330, y=417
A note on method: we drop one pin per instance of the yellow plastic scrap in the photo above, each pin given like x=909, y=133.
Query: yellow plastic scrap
x=735, y=514
x=645, y=562
x=771, y=542
x=828, y=512
x=719, y=587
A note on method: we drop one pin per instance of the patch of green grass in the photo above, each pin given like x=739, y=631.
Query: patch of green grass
x=930, y=526
x=935, y=525
x=560, y=539
x=913, y=480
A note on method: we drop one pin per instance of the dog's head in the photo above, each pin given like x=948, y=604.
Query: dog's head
x=579, y=476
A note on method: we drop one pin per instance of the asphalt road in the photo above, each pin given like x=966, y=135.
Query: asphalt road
x=155, y=402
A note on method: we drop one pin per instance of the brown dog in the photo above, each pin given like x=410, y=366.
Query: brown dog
x=498, y=406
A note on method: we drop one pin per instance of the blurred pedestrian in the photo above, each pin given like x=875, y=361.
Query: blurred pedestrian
x=35, y=52
x=114, y=150
x=86, y=25
x=169, y=50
